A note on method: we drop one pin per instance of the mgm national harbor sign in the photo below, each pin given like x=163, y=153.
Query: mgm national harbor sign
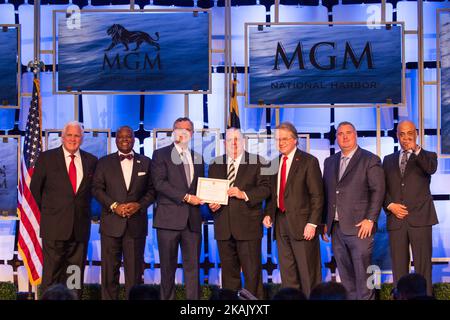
x=315, y=64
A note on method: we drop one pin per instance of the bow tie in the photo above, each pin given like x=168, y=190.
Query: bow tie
x=126, y=156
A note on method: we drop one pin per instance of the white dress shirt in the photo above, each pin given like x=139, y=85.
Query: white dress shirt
x=188, y=157
x=127, y=168
x=78, y=164
x=288, y=167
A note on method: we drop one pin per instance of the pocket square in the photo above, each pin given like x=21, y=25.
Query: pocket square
x=142, y=173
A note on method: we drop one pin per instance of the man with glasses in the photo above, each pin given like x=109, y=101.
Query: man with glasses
x=295, y=211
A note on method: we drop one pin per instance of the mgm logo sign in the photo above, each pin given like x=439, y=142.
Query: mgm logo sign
x=131, y=60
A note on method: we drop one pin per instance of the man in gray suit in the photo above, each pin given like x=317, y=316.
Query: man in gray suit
x=354, y=192
x=409, y=205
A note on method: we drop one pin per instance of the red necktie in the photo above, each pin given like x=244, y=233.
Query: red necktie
x=282, y=186
x=73, y=173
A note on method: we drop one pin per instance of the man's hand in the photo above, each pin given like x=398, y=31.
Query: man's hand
x=121, y=210
x=267, y=222
x=214, y=207
x=365, y=229
x=132, y=208
x=309, y=232
x=324, y=234
x=399, y=210
x=235, y=192
x=194, y=200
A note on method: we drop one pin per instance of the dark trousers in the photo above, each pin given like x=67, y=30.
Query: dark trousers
x=190, y=243
x=113, y=248
x=235, y=254
x=300, y=264
x=421, y=245
x=58, y=257
x=353, y=256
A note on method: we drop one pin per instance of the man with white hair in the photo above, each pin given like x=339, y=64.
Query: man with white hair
x=61, y=186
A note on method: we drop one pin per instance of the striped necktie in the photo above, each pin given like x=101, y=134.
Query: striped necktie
x=231, y=173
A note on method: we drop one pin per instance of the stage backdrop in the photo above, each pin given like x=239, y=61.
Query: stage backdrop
x=444, y=52
x=8, y=175
x=140, y=51
x=9, y=85
x=318, y=64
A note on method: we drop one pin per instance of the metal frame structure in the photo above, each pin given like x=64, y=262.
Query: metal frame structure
x=438, y=83
x=19, y=143
x=19, y=74
x=63, y=12
x=59, y=131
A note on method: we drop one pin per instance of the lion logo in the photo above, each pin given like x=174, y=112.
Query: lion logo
x=121, y=35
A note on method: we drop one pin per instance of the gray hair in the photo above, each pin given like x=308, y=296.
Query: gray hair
x=72, y=124
x=346, y=123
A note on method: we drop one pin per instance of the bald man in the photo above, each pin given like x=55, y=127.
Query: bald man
x=409, y=204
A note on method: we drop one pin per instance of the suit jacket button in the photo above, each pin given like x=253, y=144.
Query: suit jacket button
x=337, y=191
x=403, y=184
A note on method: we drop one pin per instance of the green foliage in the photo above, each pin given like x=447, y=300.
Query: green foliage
x=385, y=291
x=442, y=291
x=8, y=291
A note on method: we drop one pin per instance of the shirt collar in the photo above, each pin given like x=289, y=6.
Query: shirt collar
x=350, y=155
x=290, y=155
x=180, y=149
x=125, y=154
x=67, y=153
x=237, y=160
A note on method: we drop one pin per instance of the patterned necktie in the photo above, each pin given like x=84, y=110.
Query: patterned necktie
x=231, y=173
x=403, y=162
x=343, y=166
x=187, y=169
x=73, y=173
x=282, y=185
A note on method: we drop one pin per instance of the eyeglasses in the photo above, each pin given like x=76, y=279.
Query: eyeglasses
x=283, y=139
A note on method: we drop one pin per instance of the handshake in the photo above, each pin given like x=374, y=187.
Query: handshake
x=126, y=210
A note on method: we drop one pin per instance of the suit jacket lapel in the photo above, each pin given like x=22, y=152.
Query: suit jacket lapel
x=241, y=172
x=118, y=168
x=85, y=171
x=353, y=161
x=337, y=163
x=61, y=162
x=294, y=167
x=136, y=163
x=396, y=163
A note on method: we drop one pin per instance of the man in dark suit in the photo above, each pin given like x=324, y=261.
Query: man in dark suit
x=123, y=186
x=237, y=226
x=354, y=192
x=177, y=217
x=295, y=209
x=409, y=205
x=61, y=186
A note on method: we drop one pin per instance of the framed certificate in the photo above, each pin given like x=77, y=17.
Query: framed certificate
x=213, y=190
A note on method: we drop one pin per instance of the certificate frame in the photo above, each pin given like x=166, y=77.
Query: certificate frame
x=201, y=183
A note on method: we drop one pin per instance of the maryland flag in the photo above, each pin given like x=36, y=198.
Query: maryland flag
x=233, y=119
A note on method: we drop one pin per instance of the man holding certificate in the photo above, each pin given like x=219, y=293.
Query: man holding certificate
x=237, y=225
x=177, y=218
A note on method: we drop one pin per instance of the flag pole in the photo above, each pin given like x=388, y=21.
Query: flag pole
x=35, y=66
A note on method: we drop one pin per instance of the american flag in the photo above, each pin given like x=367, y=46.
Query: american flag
x=29, y=242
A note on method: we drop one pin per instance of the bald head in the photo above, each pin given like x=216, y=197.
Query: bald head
x=407, y=135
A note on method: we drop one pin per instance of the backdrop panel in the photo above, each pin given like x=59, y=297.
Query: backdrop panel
x=106, y=51
x=9, y=66
x=316, y=64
